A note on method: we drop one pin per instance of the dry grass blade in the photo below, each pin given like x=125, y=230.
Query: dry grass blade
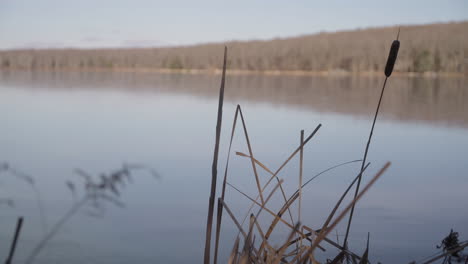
x=285, y=163
x=248, y=242
x=220, y=212
x=324, y=233
x=251, y=243
x=260, y=191
x=214, y=168
x=244, y=234
x=338, y=258
x=330, y=217
x=271, y=173
x=234, y=253
x=296, y=195
x=277, y=216
x=233, y=217
x=327, y=170
x=331, y=242
x=306, y=235
x=244, y=259
x=293, y=154
x=298, y=254
x=260, y=231
x=262, y=206
x=292, y=252
x=223, y=190
x=282, y=166
x=255, y=202
x=365, y=256
x=281, y=250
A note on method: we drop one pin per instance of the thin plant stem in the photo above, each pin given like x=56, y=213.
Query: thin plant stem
x=53, y=231
x=214, y=167
x=223, y=190
x=19, y=224
x=323, y=233
x=363, y=163
x=301, y=163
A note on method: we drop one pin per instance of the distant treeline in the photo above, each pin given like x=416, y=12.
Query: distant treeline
x=435, y=48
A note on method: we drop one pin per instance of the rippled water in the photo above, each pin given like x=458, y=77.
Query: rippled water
x=52, y=123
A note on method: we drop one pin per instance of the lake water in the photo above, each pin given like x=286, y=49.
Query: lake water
x=53, y=123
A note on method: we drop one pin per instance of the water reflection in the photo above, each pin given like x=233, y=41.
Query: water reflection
x=442, y=101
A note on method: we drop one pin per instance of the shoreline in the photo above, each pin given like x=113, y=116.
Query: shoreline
x=333, y=73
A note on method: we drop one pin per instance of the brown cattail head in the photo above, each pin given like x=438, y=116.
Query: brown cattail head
x=392, y=56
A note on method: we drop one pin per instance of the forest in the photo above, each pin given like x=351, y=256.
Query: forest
x=426, y=48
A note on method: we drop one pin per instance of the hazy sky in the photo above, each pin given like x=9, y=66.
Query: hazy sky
x=114, y=23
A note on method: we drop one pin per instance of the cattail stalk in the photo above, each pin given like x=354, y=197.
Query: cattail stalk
x=301, y=164
x=392, y=56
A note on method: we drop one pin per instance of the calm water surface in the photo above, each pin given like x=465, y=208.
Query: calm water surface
x=52, y=123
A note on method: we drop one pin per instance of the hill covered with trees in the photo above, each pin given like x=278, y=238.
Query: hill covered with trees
x=424, y=48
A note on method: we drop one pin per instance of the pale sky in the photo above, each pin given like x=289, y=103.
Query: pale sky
x=136, y=23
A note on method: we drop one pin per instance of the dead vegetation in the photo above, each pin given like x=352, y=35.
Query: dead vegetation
x=93, y=194
x=253, y=243
x=303, y=241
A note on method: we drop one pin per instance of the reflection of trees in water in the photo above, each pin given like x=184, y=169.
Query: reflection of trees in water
x=439, y=100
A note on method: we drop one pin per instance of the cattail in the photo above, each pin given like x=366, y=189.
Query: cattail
x=392, y=56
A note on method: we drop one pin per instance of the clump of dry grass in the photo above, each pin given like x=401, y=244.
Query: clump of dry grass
x=302, y=242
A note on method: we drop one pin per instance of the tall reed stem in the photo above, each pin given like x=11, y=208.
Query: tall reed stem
x=214, y=167
x=301, y=164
